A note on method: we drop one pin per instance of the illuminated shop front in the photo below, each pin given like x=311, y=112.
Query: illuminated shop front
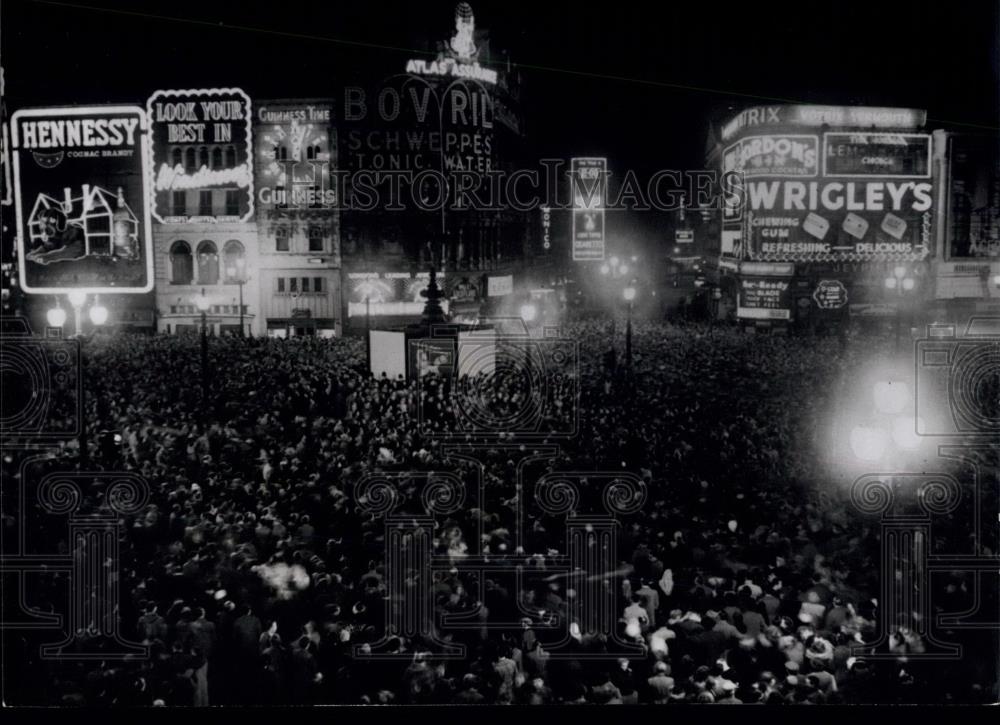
x=836, y=200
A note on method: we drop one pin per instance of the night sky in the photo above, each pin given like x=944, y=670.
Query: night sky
x=633, y=83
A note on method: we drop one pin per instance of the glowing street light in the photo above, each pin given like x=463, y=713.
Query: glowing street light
x=629, y=293
x=890, y=283
x=869, y=444
x=56, y=317
x=614, y=261
x=77, y=298
x=908, y=283
x=904, y=432
x=891, y=397
x=623, y=270
x=605, y=269
x=528, y=312
x=98, y=313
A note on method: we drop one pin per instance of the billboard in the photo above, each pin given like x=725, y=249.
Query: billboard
x=883, y=155
x=82, y=208
x=840, y=220
x=294, y=155
x=201, y=155
x=587, y=182
x=777, y=155
x=973, y=207
x=764, y=298
x=389, y=293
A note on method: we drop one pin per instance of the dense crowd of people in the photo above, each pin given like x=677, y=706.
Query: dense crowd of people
x=256, y=575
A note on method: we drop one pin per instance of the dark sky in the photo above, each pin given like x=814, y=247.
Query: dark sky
x=624, y=80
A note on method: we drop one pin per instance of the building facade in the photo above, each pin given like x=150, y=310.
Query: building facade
x=298, y=217
x=833, y=203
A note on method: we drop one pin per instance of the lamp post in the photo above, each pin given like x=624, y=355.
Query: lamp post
x=900, y=282
x=202, y=303
x=77, y=300
x=238, y=273
x=629, y=294
x=368, y=332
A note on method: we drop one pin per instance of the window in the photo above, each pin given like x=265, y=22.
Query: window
x=281, y=285
x=190, y=162
x=281, y=240
x=230, y=157
x=233, y=262
x=178, y=203
x=316, y=239
x=217, y=158
x=281, y=153
x=181, y=263
x=305, y=284
x=311, y=152
x=177, y=157
x=173, y=309
x=317, y=284
x=280, y=197
x=293, y=284
x=232, y=202
x=205, y=203
x=203, y=157
x=208, y=263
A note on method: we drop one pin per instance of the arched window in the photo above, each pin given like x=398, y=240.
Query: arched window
x=233, y=262
x=282, y=153
x=181, y=263
x=208, y=263
x=217, y=158
x=312, y=151
x=190, y=161
x=202, y=157
x=230, y=157
x=177, y=157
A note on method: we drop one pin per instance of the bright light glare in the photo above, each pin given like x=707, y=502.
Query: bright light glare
x=869, y=444
x=56, y=317
x=891, y=397
x=528, y=312
x=899, y=272
x=904, y=432
x=605, y=269
x=614, y=261
x=98, y=314
x=202, y=303
x=623, y=269
x=629, y=293
x=908, y=283
x=890, y=282
x=77, y=298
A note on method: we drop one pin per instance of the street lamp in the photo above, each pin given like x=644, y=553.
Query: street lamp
x=629, y=294
x=56, y=317
x=236, y=273
x=98, y=313
x=202, y=303
x=623, y=270
x=900, y=282
x=77, y=299
x=605, y=269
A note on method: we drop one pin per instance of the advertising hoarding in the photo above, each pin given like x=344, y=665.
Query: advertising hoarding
x=588, y=184
x=778, y=155
x=884, y=155
x=840, y=220
x=764, y=298
x=201, y=155
x=499, y=286
x=973, y=207
x=82, y=208
x=389, y=293
x=294, y=155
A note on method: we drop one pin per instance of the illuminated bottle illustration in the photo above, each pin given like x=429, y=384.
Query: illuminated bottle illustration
x=122, y=225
